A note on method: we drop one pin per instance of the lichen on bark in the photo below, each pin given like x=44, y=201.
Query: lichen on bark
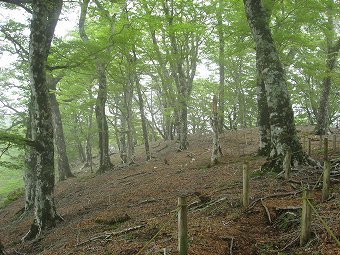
x=44, y=19
x=283, y=133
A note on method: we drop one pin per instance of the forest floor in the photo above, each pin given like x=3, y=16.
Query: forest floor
x=132, y=209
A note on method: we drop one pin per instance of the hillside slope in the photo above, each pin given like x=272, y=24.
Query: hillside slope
x=132, y=209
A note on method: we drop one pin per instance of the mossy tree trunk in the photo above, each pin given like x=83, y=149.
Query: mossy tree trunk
x=263, y=117
x=30, y=162
x=44, y=19
x=281, y=116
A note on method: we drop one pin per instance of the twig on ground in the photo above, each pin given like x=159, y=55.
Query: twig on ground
x=291, y=243
x=107, y=235
x=231, y=238
x=131, y=175
x=267, y=211
x=271, y=196
x=159, y=150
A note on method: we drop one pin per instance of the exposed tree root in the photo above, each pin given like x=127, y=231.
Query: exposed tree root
x=275, y=164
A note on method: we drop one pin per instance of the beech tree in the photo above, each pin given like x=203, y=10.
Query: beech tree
x=45, y=16
x=102, y=125
x=64, y=169
x=270, y=70
x=332, y=51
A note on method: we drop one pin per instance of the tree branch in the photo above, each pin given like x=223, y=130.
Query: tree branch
x=19, y=140
x=20, y=3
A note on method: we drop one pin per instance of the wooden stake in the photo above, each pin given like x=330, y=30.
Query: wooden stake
x=182, y=226
x=245, y=198
x=287, y=163
x=305, y=219
x=326, y=180
x=309, y=146
x=304, y=142
x=334, y=142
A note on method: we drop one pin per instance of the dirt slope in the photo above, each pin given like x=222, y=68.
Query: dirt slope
x=119, y=212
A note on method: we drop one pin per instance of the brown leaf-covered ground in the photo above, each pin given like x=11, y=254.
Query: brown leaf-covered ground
x=97, y=209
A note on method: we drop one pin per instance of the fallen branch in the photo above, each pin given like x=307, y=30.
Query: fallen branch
x=288, y=208
x=166, y=146
x=207, y=205
x=271, y=196
x=107, y=235
x=231, y=238
x=156, y=145
x=295, y=240
x=131, y=175
x=267, y=211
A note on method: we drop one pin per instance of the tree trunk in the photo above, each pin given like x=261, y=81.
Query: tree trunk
x=263, y=115
x=129, y=122
x=122, y=138
x=221, y=59
x=282, y=126
x=332, y=55
x=144, y=120
x=30, y=175
x=88, y=147
x=183, y=69
x=103, y=133
x=216, y=151
x=44, y=19
x=64, y=169
x=104, y=156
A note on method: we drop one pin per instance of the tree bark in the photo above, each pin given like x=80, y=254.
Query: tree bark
x=216, y=150
x=221, y=59
x=322, y=123
x=143, y=119
x=44, y=19
x=182, y=73
x=64, y=169
x=88, y=147
x=104, y=156
x=103, y=133
x=282, y=127
x=128, y=91
x=263, y=115
x=30, y=175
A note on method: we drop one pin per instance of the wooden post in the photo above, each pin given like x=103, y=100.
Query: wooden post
x=326, y=180
x=309, y=146
x=306, y=219
x=245, y=198
x=334, y=142
x=287, y=163
x=304, y=142
x=182, y=226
